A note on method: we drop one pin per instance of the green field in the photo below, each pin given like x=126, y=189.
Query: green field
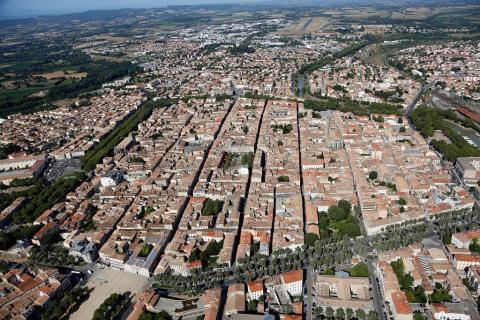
x=18, y=94
x=359, y=270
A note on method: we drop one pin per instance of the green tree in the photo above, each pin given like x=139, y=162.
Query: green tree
x=420, y=296
x=340, y=313
x=345, y=206
x=247, y=159
x=405, y=280
x=361, y=315
x=329, y=272
x=211, y=207
x=349, y=313
x=440, y=294
x=474, y=245
x=447, y=239
x=336, y=214
x=310, y=238
x=252, y=306
x=418, y=316
x=372, y=315
x=146, y=249
x=147, y=315
x=111, y=308
x=373, y=175
x=329, y=312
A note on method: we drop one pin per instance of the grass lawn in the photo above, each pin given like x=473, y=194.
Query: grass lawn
x=359, y=270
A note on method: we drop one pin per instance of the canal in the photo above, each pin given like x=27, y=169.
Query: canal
x=300, y=84
x=469, y=133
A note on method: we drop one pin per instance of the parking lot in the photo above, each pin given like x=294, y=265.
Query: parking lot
x=104, y=282
x=60, y=167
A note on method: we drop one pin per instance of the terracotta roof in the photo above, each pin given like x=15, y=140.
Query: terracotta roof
x=293, y=276
x=467, y=236
x=400, y=302
x=467, y=257
x=438, y=307
x=195, y=264
x=255, y=286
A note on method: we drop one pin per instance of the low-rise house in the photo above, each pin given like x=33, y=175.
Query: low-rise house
x=255, y=290
x=235, y=300
x=468, y=169
x=462, y=261
x=463, y=239
x=8, y=212
x=473, y=276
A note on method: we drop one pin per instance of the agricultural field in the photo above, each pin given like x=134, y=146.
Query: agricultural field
x=307, y=25
x=62, y=74
x=372, y=54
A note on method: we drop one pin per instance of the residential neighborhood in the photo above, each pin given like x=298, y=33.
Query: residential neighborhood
x=257, y=161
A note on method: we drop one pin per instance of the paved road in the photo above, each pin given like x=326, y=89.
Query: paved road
x=422, y=90
x=377, y=295
x=308, y=301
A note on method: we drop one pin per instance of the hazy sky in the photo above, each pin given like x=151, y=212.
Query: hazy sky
x=19, y=8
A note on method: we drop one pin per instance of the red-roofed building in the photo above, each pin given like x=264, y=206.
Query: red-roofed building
x=452, y=311
x=463, y=239
x=465, y=260
x=293, y=282
x=401, y=308
x=194, y=265
x=40, y=235
x=255, y=290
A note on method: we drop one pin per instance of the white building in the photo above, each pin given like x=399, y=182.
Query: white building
x=293, y=282
x=255, y=290
x=462, y=261
x=463, y=239
x=111, y=178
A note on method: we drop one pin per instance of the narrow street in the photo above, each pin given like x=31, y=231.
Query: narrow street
x=411, y=106
x=376, y=293
x=308, y=302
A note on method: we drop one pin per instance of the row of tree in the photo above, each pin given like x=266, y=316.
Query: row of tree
x=340, y=313
x=451, y=222
x=428, y=119
x=48, y=196
x=312, y=66
x=360, y=108
x=60, y=308
x=112, y=308
x=106, y=146
x=324, y=253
